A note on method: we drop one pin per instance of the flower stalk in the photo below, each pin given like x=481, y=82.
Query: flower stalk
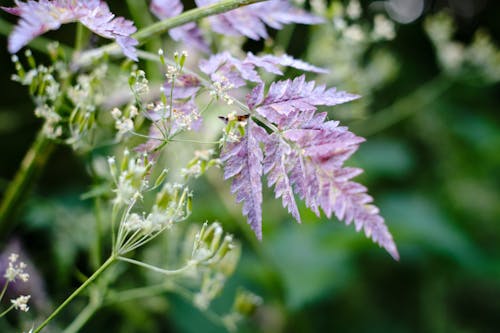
x=34, y=161
x=145, y=34
x=77, y=292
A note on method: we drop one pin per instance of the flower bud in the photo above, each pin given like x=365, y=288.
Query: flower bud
x=245, y=303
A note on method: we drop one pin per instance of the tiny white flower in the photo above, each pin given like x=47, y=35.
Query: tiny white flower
x=353, y=9
x=21, y=303
x=116, y=113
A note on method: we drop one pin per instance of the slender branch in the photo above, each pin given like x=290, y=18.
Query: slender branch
x=32, y=164
x=142, y=18
x=157, y=269
x=7, y=310
x=83, y=317
x=145, y=34
x=136, y=293
x=404, y=107
x=4, y=289
x=77, y=292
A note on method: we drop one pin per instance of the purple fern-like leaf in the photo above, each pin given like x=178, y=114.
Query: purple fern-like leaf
x=306, y=156
x=291, y=101
x=229, y=70
x=36, y=18
x=271, y=62
x=251, y=21
x=276, y=167
x=243, y=163
x=188, y=33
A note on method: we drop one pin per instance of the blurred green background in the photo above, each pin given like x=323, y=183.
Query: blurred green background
x=432, y=163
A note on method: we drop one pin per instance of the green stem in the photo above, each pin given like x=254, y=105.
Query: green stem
x=97, y=246
x=83, y=317
x=142, y=292
x=6, y=311
x=33, y=162
x=160, y=27
x=77, y=292
x=140, y=14
x=4, y=289
x=156, y=269
x=403, y=108
x=82, y=36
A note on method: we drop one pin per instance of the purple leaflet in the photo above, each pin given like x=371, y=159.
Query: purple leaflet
x=286, y=98
x=228, y=70
x=311, y=161
x=353, y=204
x=307, y=156
x=250, y=21
x=243, y=163
x=44, y=15
x=188, y=33
x=270, y=63
x=276, y=166
x=150, y=147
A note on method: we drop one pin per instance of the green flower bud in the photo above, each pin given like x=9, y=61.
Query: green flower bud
x=246, y=302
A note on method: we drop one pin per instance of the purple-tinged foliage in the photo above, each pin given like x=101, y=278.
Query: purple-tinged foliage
x=276, y=167
x=293, y=102
x=39, y=17
x=270, y=63
x=188, y=33
x=35, y=286
x=243, y=163
x=251, y=21
x=225, y=68
x=150, y=147
x=304, y=158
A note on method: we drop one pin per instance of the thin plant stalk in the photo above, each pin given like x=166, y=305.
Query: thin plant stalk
x=17, y=191
x=7, y=311
x=140, y=14
x=77, y=292
x=83, y=317
x=160, y=27
x=157, y=269
x=404, y=107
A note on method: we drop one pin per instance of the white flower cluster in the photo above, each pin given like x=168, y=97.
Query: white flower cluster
x=51, y=127
x=21, y=303
x=455, y=57
x=200, y=163
x=139, y=83
x=174, y=70
x=170, y=207
x=124, y=121
x=16, y=270
x=45, y=90
x=131, y=181
x=86, y=94
x=219, y=254
x=220, y=88
x=345, y=22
